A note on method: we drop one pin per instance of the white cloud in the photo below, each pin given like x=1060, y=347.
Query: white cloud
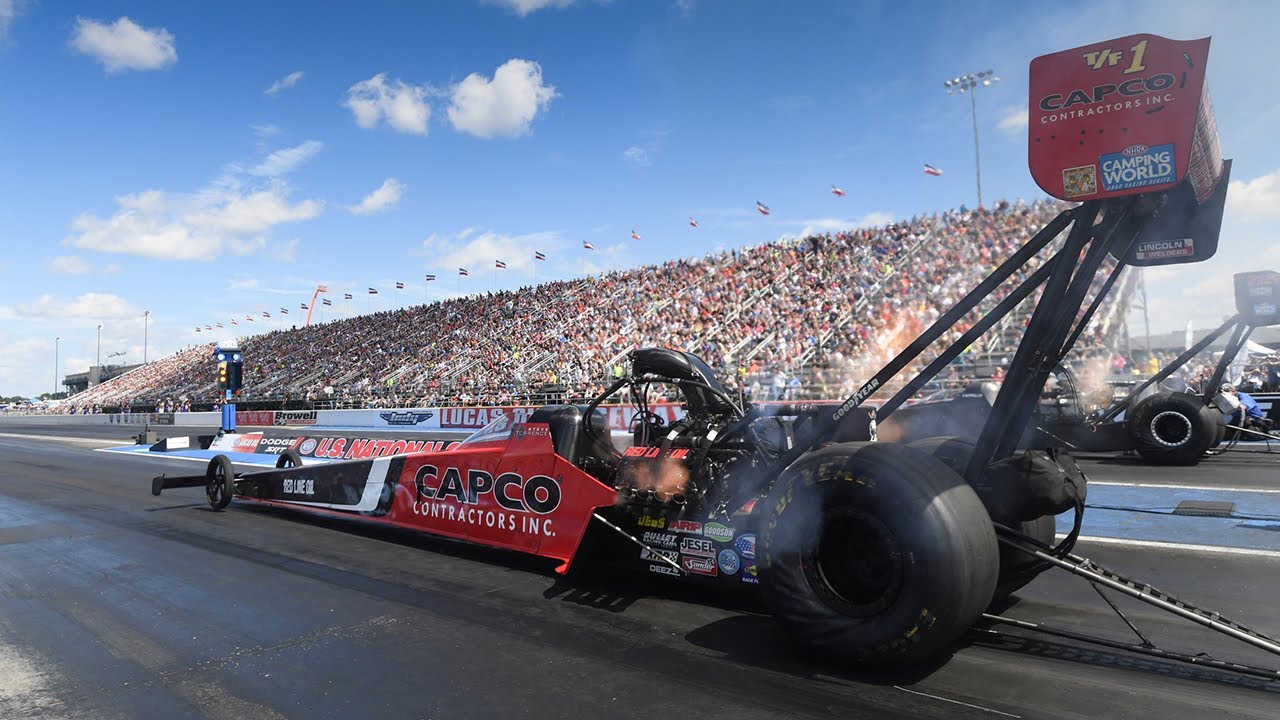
x=403, y=106
x=69, y=265
x=287, y=160
x=1256, y=199
x=477, y=251
x=504, y=106
x=98, y=306
x=380, y=200
x=265, y=131
x=9, y=10
x=819, y=226
x=124, y=45
x=1014, y=120
x=525, y=7
x=289, y=251
x=167, y=226
x=636, y=156
x=284, y=83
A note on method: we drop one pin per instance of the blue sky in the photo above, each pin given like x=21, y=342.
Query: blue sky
x=205, y=162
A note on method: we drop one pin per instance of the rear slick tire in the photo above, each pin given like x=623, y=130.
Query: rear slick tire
x=1171, y=429
x=876, y=554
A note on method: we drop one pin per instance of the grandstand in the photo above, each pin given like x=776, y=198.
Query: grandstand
x=796, y=319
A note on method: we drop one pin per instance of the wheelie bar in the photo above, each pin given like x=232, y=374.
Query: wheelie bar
x=160, y=482
x=1095, y=573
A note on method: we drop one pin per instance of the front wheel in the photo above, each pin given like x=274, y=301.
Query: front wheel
x=289, y=459
x=876, y=553
x=219, y=482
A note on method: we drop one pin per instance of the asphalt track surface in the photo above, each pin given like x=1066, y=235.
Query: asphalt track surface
x=118, y=604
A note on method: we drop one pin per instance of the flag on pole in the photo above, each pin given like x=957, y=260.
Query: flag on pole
x=219, y=324
x=635, y=235
x=197, y=328
x=399, y=286
x=233, y=322
x=538, y=256
x=762, y=208
x=837, y=191
x=326, y=301
x=266, y=314
x=587, y=246
x=283, y=311
x=693, y=223
x=346, y=296
x=249, y=318
x=463, y=272
x=499, y=264
x=304, y=305
x=209, y=327
x=431, y=278
x=374, y=291
x=931, y=170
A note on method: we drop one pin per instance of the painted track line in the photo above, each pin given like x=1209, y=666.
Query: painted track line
x=1175, y=486
x=63, y=438
x=1183, y=547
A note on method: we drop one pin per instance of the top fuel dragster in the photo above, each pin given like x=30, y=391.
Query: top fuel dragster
x=873, y=552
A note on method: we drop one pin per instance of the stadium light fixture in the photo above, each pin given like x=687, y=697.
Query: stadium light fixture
x=56, y=342
x=968, y=85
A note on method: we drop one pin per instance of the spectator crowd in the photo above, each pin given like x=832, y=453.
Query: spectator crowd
x=794, y=319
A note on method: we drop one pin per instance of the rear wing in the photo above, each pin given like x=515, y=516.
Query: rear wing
x=1132, y=116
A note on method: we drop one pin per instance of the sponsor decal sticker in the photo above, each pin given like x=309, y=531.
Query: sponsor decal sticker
x=699, y=565
x=750, y=574
x=1138, y=166
x=1078, y=181
x=648, y=521
x=718, y=531
x=686, y=526
x=657, y=539
x=1264, y=309
x=728, y=561
x=697, y=546
x=307, y=447
x=1158, y=249
x=746, y=546
x=657, y=555
x=453, y=494
x=664, y=569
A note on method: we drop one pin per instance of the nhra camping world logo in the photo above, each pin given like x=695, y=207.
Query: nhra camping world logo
x=1138, y=166
x=406, y=418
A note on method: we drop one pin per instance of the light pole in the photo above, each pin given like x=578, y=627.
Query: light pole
x=99, y=363
x=146, y=315
x=970, y=84
x=56, y=342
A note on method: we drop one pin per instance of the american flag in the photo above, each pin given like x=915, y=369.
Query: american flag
x=931, y=170
x=538, y=256
x=266, y=314
x=374, y=291
x=588, y=246
x=346, y=296
x=304, y=305
x=764, y=209
x=693, y=223
x=233, y=322
x=430, y=278
x=463, y=272
x=284, y=311
x=219, y=324
x=499, y=264
x=209, y=327
x=837, y=191
x=399, y=286
x=635, y=235
x=249, y=318
x=326, y=301
x=197, y=328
